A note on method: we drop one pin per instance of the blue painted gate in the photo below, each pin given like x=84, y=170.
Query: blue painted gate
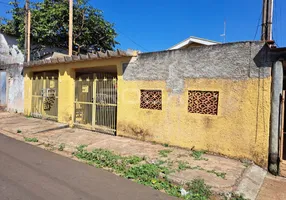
x=2, y=88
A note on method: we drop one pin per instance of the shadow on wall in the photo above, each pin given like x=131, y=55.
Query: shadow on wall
x=263, y=58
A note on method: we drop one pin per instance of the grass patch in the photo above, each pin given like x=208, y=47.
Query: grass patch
x=166, y=145
x=154, y=174
x=198, y=190
x=183, y=165
x=31, y=139
x=165, y=152
x=233, y=196
x=218, y=174
x=134, y=167
x=62, y=147
x=107, y=159
x=198, y=155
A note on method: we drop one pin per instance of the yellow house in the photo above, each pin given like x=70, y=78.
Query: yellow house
x=79, y=90
x=215, y=98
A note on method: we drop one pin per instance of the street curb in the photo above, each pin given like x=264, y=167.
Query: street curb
x=251, y=182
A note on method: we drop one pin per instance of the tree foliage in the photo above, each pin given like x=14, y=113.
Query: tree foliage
x=50, y=23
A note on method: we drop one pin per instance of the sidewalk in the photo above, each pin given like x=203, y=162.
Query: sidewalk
x=273, y=188
x=222, y=174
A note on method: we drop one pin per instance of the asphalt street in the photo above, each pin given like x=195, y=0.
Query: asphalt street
x=30, y=173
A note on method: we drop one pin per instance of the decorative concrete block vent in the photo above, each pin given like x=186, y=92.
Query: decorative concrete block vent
x=151, y=99
x=203, y=102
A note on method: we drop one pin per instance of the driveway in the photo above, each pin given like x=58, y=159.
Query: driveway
x=31, y=173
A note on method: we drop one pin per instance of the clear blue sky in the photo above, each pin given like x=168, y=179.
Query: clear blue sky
x=152, y=25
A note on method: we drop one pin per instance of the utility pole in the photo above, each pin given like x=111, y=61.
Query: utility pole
x=27, y=31
x=70, y=26
x=267, y=20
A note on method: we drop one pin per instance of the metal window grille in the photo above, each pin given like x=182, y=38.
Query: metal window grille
x=151, y=99
x=203, y=102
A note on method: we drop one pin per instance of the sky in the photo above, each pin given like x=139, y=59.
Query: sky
x=153, y=25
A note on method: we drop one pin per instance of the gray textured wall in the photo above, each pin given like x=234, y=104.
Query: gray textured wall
x=241, y=60
x=15, y=87
x=9, y=51
x=10, y=57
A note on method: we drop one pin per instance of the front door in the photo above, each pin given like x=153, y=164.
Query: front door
x=96, y=101
x=45, y=95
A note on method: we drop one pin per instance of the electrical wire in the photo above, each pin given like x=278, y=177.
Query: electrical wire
x=129, y=38
x=274, y=24
x=258, y=25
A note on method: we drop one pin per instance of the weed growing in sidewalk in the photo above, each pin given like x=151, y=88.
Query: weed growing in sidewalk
x=165, y=152
x=183, y=166
x=198, y=155
x=153, y=174
x=61, y=147
x=233, y=196
x=218, y=174
x=198, y=190
x=135, y=168
x=31, y=139
x=107, y=159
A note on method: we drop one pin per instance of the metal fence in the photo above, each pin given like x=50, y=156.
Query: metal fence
x=45, y=95
x=96, y=101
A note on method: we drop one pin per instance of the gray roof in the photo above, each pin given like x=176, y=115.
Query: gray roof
x=89, y=56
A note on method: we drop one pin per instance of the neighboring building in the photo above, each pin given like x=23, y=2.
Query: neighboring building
x=215, y=98
x=9, y=51
x=11, y=79
x=193, y=42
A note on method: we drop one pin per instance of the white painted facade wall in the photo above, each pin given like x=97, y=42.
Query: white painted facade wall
x=11, y=59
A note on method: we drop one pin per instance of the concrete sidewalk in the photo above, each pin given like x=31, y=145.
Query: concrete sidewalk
x=222, y=174
x=273, y=188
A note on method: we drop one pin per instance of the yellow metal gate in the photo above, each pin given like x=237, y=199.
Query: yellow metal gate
x=96, y=102
x=45, y=95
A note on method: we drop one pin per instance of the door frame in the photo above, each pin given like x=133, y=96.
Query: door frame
x=96, y=104
x=281, y=136
x=44, y=94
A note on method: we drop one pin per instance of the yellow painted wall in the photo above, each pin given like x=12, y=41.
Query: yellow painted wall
x=241, y=128
x=27, y=91
x=66, y=83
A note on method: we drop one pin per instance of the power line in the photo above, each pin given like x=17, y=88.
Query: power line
x=129, y=38
x=275, y=19
x=258, y=25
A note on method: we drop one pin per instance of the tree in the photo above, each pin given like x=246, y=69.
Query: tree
x=49, y=26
